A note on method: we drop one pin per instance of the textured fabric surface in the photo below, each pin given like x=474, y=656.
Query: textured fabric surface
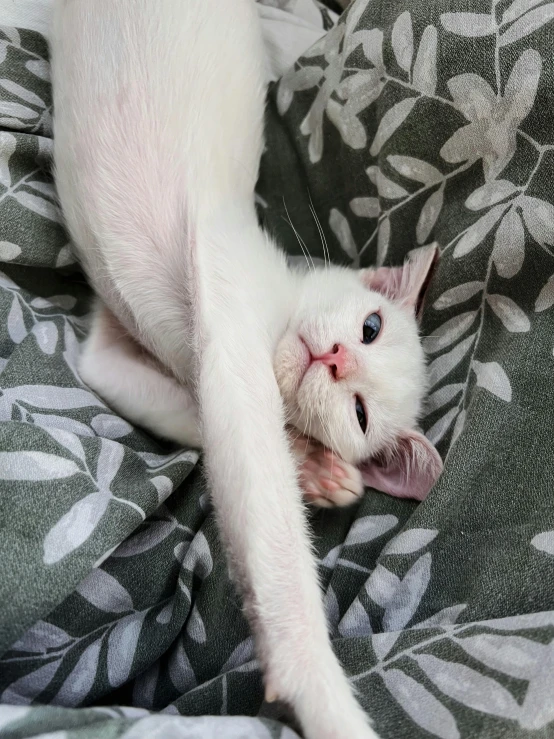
x=408, y=122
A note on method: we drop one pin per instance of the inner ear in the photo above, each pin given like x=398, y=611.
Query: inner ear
x=407, y=284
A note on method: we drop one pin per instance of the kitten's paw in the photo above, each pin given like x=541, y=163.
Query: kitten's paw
x=328, y=481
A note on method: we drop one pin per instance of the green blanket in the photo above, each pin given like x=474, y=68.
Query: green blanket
x=408, y=122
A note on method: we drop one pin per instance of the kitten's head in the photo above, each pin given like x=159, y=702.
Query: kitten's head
x=351, y=371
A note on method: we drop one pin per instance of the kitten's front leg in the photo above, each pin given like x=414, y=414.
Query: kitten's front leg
x=326, y=480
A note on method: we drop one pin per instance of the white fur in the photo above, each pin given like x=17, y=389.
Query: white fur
x=158, y=135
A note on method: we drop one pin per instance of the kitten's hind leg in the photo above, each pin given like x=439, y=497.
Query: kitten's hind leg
x=115, y=366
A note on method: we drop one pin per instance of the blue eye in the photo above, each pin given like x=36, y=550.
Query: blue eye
x=372, y=327
x=360, y=412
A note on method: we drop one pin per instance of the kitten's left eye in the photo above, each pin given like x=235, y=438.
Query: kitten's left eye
x=360, y=412
x=372, y=327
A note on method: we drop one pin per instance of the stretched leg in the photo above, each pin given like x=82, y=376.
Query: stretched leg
x=131, y=381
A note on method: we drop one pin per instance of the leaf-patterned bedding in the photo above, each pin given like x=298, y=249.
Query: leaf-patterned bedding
x=407, y=122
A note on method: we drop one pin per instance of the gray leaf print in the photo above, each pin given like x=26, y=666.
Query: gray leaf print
x=490, y=194
x=439, y=429
x=492, y=377
x=35, y=466
x=39, y=68
x=109, y=462
x=415, y=169
x=386, y=188
x=7, y=148
x=180, y=670
x=16, y=325
x=22, y=92
x=166, y=614
x=512, y=655
x=521, y=88
x=195, y=626
x=198, y=558
x=441, y=366
x=365, y=207
x=509, y=245
x=50, y=421
x=469, y=687
x=332, y=610
x=80, y=680
x=517, y=8
x=10, y=714
x=383, y=241
x=330, y=559
x=103, y=591
x=164, y=487
x=383, y=643
x=8, y=251
x=355, y=621
x=46, y=334
x=341, y=228
x=425, y=67
x=410, y=541
x=407, y=597
x=511, y=315
x=420, y=705
x=444, y=617
x=153, y=533
x=242, y=654
x=449, y=332
x=12, y=34
x=477, y=232
x=457, y=295
x=442, y=396
x=429, y=214
x=75, y=527
x=122, y=644
x=368, y=528
x=350, y=128
x=403, y=41
x=544, y=542
x=41, y=637
x=546, y=296
x=537, y=710
x=67, y=439
x=27, y=688
x=389, y=123
x=529, y=23
x=381, y=585
x=145, y=685
x=459, y=425
x=538, y=216
x=469, y=24
x=39, y=205
x=110, y=427
x=51, y=397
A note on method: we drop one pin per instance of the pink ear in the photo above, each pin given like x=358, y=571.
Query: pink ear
x=410, y=472
x=406, y=284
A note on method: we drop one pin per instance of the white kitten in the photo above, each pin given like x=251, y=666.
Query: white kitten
x=158, y=135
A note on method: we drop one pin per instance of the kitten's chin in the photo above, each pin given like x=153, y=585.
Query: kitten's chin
x=291, y=361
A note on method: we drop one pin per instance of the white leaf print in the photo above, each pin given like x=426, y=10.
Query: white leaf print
x=425, y=67
x=442, y=396
x=39, y=68
x=546, y=296
x=17, y=111
x=3, y=50
x=509, y=245
x=408, y=595
x=80, y=680
x=46, y=188
x=522, y=84
x=445, y=617
x=12, y=34
x=304, y=78
x=517, y=8
x=199, y=559
x=512, y=655
x=195, y=626
x=331, y=607
x=458, y=294
x=109, y=462
x=383, y=643
x=63, y=423
x=469, y=687
x=523, y=621
x=22, y=92
x=403, y=41
x=67, y=439
x=242, y=654
x=38, y=205
x=477, y=232
x=470, y=25
x=33, y=466
x=10, y=714
x=439, y=429
x=539, y=219
x=166, y=614
x=449, y=332
x=75, y=527
x=46, y=334
x=392, y=120
x=527, y=24
x=538, y=708
x=27, y=688
x=544, y=542
x=355, y=621
x=383, y=241
x=421, y=705
x=364, y=207
x=348, y=125
x=164, y=487
x=104, y=592
x=429, y=214
x=382, y=585
x=458, y=426
x=444, y=364
x=330, y=559
x=7, y=148
x=490, y=194
x=8, y=251
x=110, y=427
x=368, y=528
x=122, y=645
x=386, y=188
x=41, y=637
x=415, y=169
x=180, y=670
x=492, y=377
x=65, y=257
x=341, y=228
x=149, y=537
x=511, y=315
x=410, y=541
x=16, y=324
x=6, y=282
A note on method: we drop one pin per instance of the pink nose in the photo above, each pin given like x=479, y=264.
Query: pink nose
x=337, y=360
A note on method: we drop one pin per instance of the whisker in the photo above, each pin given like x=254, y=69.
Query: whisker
x=326, y=256
x=300, y=240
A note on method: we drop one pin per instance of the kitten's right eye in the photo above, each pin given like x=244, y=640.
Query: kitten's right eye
x=360, y=412
x=372, y=327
